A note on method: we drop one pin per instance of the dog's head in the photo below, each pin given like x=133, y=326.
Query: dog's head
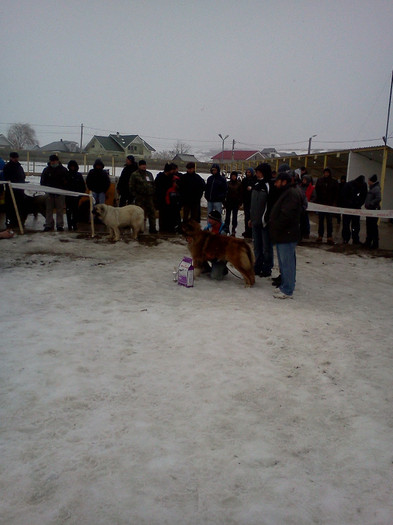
x=190, y=228
x=99, y=210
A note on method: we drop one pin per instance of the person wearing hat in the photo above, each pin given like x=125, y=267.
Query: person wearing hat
x=285, y=231
x=55, y=175
x=373, y=201
x=14, y=172
x=217, y=269
x=123, y=186
x=216, y=189
x=98, y=181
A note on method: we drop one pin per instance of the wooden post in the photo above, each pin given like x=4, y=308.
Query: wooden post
x=16, y=209
x=91, y=214
x=383, y=172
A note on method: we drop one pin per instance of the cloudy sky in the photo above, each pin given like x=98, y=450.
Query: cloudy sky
x=265, y=72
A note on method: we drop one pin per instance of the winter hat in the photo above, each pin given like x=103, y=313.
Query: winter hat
x=73, y=164
x=217, y=166
x=284, y=168
x=142, y=163
x=284, y=176
x=14, y=155
x=215, y=215
x=251, y=170
x=98, y=162
x=131, y=158
x=266, y=170
x=53, y=158
x=373, y=178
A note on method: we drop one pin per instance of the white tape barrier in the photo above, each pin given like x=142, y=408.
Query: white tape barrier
x=385, y=214
x=312, y=206
x=28, y=186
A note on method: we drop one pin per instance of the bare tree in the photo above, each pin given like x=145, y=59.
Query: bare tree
x=181, y=148
x=22, y=135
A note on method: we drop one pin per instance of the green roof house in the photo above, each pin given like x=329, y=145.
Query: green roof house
x=119, y=145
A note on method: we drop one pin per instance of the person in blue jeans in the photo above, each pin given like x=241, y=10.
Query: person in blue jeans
x=216, y=189
x=285, y=231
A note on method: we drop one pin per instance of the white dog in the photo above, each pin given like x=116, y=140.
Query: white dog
x=115, y=218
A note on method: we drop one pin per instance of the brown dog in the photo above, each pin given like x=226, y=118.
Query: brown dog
x=205, y=246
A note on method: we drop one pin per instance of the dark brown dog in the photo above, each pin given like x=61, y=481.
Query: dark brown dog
x=205, y=246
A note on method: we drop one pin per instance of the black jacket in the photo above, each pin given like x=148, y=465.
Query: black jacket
x=285, y=216
x=216, y=188
x=55, y=177
x=191, y=187
x=98, y=180
x=123, y=186
x=354, y=193
x=76, y=181
x=14, y=172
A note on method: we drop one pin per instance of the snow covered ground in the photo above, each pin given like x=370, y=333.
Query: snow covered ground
x=127, y=399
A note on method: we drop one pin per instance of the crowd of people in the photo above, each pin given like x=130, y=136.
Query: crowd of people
x=274, y=204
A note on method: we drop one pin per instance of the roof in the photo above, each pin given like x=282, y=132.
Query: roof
x=61, y=145
x=237, y=154
x=108, y=143
x=185, y=157
x=4, y=141
x=117, y=142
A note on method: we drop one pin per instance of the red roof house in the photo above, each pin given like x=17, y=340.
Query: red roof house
x=238, y=156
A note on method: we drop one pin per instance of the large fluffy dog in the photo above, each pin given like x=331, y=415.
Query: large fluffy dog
x=205, y=246
x=127, y=216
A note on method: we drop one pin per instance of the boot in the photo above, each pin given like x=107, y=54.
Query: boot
x=330, y=240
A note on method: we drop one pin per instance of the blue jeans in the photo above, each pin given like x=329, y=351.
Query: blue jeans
x=286, y=253
x=99, y=197
x=263, y=249
x=214, y=206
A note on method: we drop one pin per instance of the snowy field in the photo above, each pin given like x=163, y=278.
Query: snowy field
x=127, y=399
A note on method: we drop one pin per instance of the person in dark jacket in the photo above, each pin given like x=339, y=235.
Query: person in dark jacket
x=285, y=232
x=75, y=183
x=191, y=188
x=233, y=201
x=373, y=201
x=168, y=199
x=55, y=175
x=216, y=189
x=326, y=190
x=263, y=248
x=123, y=186
x=14, y=172
x=353, y=196
x=247, y=185
x=98, y=181
x=142, y=185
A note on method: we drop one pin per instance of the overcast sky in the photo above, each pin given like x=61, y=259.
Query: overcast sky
x=267, y=72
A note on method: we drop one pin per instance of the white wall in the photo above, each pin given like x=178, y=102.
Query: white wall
x=360, y=165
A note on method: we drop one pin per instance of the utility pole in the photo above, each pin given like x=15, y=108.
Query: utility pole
x=80, y=147
x=385, y=138
x=233, y=150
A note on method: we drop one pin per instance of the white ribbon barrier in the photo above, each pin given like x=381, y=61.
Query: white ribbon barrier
x=28, y=186
x=384, y=214
x=31, y=186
